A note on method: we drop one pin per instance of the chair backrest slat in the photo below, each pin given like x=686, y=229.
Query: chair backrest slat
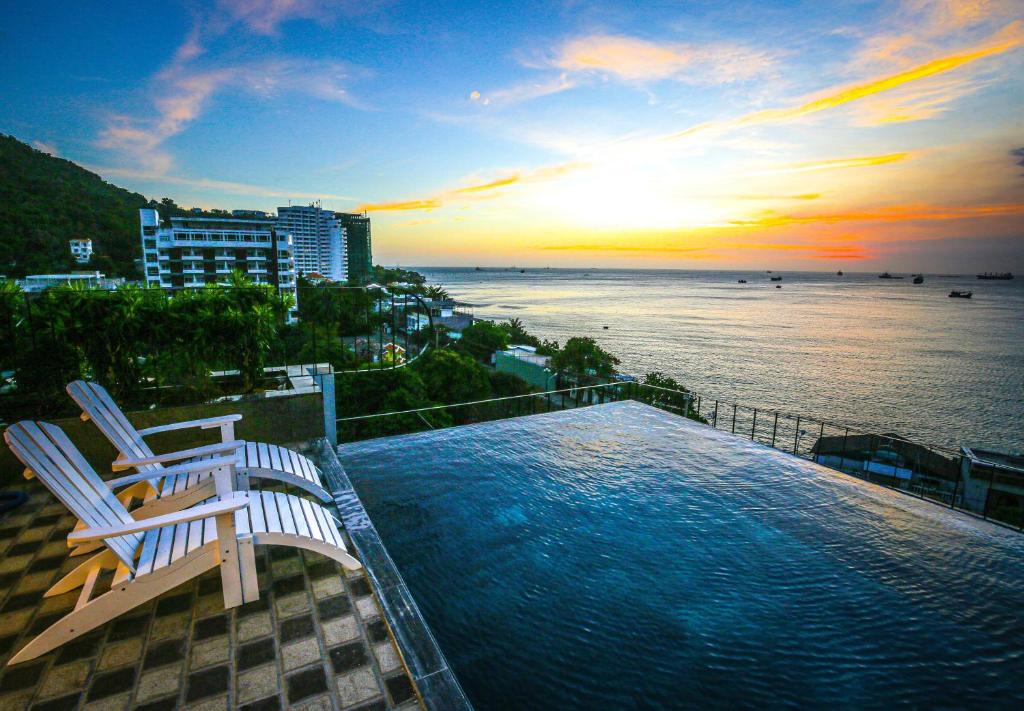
x=96, y=402
x=58, y=464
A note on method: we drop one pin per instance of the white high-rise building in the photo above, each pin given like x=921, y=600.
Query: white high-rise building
x=318, y=240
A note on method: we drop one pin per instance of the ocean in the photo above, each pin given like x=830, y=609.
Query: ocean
x=886, y=355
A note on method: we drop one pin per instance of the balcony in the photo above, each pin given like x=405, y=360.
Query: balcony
x=191, y=257
x=256, y=270
x=225, y=257
x=193, y=270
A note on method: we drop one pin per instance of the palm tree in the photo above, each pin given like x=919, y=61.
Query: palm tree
x=437, y=293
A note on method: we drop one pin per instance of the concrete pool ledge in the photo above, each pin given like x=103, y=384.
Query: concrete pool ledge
x=435, y=681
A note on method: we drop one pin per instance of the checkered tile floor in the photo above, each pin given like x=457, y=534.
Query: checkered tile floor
x=314, y=640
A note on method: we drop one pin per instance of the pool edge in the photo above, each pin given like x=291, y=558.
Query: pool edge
x=436, y=684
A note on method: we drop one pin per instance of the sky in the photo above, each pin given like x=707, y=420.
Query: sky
x=790, y=135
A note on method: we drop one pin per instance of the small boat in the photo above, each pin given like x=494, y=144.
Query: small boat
x=742, y=281
x=604, y=327
x=919, y=278
x=778, y=286
x=887, y=275
x=769, y=271
x=522, y=271
x=839, y=273
x=989, y=276
x=778, y=278
x=479, y=269
x=960, y=294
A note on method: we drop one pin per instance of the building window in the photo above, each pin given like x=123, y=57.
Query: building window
x=149, y=230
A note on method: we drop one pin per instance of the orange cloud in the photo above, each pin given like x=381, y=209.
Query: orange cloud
x=473, y=190
x=427, y=204
x=1011, y=37
x=620, y=248
x=896, y=213
x=765, y=196
x=835, y=163
x=808, y=251
x=499, y=183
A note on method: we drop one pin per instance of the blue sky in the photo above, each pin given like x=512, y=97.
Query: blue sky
x=654, y=134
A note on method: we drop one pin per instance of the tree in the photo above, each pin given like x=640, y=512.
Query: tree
x=482, y=339
x=451, y=377
x=582, y=356
x=667, y=393
x=437, y=293
x=518, y=335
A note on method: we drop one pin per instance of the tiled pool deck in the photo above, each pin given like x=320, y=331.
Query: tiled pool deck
x=316, y=639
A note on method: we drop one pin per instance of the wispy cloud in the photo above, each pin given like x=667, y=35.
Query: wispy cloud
x=895, y=213
x=1011, y=37
x=717, y=248
x=183, y=93
x=184, y=89
x=473, y=190
x=636, y=60
x=837, y=163
x=526, y=91
x=225, y=186
x=632, y=60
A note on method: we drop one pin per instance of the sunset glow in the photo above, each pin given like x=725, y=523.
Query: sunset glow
x=789, y=135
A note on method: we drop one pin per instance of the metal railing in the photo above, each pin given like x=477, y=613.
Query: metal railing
x=928, y=472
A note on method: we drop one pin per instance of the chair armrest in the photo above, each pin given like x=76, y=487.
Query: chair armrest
x=205, y=424
x=219, y=448
x=202, y=465
x=193, y=514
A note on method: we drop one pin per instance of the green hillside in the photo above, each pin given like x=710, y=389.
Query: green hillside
x=45, y=201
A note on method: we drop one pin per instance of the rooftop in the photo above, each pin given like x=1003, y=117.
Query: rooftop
x=315, y=638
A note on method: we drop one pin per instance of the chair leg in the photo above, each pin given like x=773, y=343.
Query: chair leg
x=77, y=576
x=227, y=555
x=116, y=602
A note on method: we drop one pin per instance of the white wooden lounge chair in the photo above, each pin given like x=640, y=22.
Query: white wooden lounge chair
x=153, y=555
x=255, y=459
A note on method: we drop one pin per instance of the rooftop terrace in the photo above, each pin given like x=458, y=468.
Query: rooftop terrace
x=316, y=638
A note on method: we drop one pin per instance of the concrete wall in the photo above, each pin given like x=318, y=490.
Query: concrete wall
x=277, y=420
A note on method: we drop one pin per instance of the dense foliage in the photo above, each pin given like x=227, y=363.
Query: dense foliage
x=482, y=339
x=45, y=201
x=669, y=394
x=582, y=356
x=144, y=345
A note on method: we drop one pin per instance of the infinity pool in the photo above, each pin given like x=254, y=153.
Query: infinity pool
x=619, y=557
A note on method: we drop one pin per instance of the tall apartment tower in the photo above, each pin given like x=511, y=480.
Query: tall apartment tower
x=190, y=251
x=319, y=240
x=360, y=252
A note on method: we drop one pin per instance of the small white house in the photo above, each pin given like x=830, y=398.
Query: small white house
x=81, y=250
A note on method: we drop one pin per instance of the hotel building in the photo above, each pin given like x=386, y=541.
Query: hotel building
x=358, y=248
x=318, y=239
x=191, y=250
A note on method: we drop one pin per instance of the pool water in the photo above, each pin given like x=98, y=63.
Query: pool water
x=618, y=557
